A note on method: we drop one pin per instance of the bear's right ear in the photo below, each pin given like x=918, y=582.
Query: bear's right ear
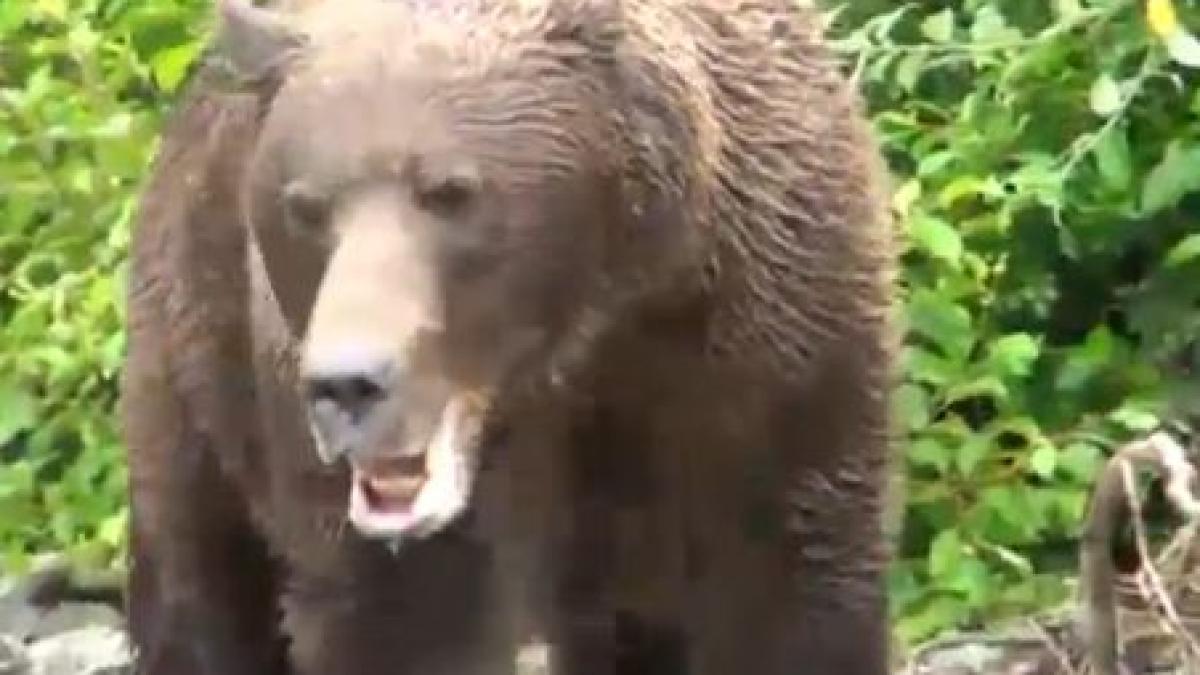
x=256, y=45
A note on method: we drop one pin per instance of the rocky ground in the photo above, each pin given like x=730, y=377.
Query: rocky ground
x=43, y=634
x=1133, y=621
x=49, y=626
x=40, y=635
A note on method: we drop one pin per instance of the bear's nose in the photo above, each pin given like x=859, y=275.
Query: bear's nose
x=353, y=394
x=352, y=386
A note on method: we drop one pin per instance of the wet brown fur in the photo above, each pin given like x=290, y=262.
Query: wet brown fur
x=696, y=486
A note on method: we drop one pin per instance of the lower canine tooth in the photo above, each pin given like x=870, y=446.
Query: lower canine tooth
x=402, y=485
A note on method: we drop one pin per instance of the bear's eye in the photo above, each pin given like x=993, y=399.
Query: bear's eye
x=449, y=193
x=305, y=206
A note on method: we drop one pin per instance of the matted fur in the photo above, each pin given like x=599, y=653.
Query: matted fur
x=696, y=483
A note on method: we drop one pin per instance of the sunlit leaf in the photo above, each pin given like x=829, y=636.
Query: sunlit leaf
x=942, y=321
x=18, y=410
x=1176, y=174
x=971, y=453
x=945, y=553
x=1105, y=95
x=1081, y=461
x=912, y=405
x=1113, y=158
x=1014, y=354
x=903, y=198
x=909, y=69
x=171, y=65
x=1185, y=251
x=1135, y=419
x=1184, y=48
x=939, y=27
x=929, y=452
x=937, y=237
x=1043, y=460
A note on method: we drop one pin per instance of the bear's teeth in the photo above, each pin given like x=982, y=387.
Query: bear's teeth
x=397, y=484
x=387, y=492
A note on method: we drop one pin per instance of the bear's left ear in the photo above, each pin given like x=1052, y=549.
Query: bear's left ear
x=596, y=25
x=257, y=45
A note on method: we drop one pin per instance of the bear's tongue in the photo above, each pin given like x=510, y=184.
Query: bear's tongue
x=391, y=484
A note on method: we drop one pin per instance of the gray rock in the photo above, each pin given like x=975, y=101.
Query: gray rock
x=70, y=616
x=13, y=659
x=50, y=626
x=96, y=650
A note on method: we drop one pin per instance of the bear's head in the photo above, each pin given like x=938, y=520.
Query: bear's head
x=438, y=199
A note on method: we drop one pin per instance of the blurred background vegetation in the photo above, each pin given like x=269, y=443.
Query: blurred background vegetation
x=1047, y=176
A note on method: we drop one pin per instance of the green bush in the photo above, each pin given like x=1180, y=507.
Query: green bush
x=1046, y=160
x=82, y=87
x=1047, y=175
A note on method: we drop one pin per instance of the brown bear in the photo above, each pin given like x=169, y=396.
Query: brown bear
x=477, y=337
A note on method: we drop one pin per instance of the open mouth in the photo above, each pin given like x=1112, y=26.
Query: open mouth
x=413, y=496
x=392, y=483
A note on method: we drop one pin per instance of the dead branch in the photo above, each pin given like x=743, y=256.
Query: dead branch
x=1114, y=502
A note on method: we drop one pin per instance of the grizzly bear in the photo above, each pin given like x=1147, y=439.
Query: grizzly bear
x=474, y=337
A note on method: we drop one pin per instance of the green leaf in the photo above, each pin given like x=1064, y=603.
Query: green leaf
x=1022, y=426
x=1067, y=9
x=906, y=195
x=923, y=621
x=928, y=368
x=987, y=386
x=971, y=453
x=52, y=9
x=113, y=528
x=117, y=125
x=939, y=27
x=935, y=162
x=1013, y=355
x=18, y=411
x=1043, y=460
x=912, y=406
x=909, y=69
x=1134, y=419
x=1105, y=95
x=972, y=580
x=945, y=553
x=12, y=15
x=1177, y=174
x=1184, y=48
x=929, y=452
x=989, y=27
x=1081, y=461
x=969, y=186
x=1014, y=507
x=1185, y=251
x=937, y=237
x=1086, y=361
x=944, y=322
x=170, y=66
x=1113, y=158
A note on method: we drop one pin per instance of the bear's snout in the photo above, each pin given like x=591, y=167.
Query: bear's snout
x=408, y=436
x=344, y=388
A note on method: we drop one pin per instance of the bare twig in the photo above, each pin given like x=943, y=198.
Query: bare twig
x=1149, y=576
x=1052, y=646
x=1113, y=502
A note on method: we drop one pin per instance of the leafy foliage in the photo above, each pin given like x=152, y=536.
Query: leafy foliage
x=82, y=85
x=1047, y=183
x=1046, y=161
